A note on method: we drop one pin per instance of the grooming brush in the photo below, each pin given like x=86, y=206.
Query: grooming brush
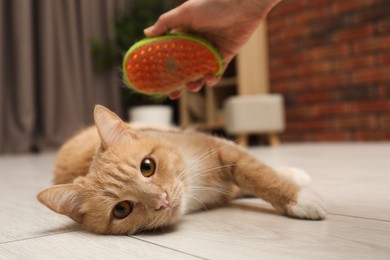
x=160, y=65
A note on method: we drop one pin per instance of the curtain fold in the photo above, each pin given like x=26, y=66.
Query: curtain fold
x=47, y=82
x=17, y=78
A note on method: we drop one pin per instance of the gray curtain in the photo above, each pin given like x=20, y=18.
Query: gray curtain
x=48, y=86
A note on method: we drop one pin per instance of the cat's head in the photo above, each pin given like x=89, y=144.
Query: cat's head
x=132, y=184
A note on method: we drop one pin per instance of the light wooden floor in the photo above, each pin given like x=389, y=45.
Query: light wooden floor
x=353, y=178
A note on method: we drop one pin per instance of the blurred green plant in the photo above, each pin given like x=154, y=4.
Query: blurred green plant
x=128, y=29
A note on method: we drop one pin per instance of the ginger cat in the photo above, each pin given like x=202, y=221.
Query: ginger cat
x=118, y=178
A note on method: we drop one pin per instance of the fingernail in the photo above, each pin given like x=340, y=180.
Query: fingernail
x=194, y=86
x=211, y=80
x=211, y=83
x=175, y=94
x=148, y=30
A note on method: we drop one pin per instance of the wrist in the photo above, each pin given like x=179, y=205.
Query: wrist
x=257, y=9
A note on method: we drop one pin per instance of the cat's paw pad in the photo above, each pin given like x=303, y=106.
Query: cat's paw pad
x=309, y=205
x=296, y=175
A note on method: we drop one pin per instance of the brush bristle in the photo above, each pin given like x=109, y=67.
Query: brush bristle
x=165, y=65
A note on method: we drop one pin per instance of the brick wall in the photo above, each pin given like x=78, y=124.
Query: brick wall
x=331, y=60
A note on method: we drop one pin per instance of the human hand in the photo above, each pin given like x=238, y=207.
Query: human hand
x=227, y=24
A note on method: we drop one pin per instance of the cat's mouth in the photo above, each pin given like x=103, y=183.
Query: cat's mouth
x=174, y=207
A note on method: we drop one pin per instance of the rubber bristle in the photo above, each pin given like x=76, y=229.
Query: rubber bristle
x=162, y=65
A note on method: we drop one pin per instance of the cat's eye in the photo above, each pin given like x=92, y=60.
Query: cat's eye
x=122, y=209
x=148, y=167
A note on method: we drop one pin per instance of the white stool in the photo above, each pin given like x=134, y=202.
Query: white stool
x=255, y=114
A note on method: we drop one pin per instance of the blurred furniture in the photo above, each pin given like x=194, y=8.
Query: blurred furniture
x=254, y=114
x=205, y=110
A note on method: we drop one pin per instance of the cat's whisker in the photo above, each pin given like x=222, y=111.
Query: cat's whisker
x=205, y=188
x=200, y=159
x=214, y=169
x=195, y=198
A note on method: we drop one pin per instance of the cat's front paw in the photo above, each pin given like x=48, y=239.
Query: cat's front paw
x=309, y=205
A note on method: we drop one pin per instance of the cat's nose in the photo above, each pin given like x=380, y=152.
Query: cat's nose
x=162, y=202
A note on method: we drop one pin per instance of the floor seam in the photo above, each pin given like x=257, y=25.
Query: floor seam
x=60, y=233
x=30, y=238
x=153, y=243
x=366, y=218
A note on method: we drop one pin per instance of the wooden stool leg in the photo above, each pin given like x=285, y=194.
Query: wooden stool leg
x=273, y=139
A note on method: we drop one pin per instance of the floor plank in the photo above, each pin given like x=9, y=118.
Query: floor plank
x=248, y=230
x=21, y=178
x=82, y=245
x=353, y=178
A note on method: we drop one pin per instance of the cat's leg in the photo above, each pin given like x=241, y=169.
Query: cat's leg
x=296, y=175
x=255, y=178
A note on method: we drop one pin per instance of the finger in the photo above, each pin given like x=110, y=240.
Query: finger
x=166, y=22
x=211, y=82
x=195, y=86
x=175, y=94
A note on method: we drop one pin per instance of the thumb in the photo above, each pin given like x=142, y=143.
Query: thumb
x=173, y=19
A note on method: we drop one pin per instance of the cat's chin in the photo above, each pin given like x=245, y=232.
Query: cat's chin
x=174, y=214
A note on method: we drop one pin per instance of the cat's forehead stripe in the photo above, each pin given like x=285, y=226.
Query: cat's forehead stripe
x=118, y=175
x=126, y=167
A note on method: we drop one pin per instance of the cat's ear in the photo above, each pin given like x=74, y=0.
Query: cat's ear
x=109, y=126
x=65, y=199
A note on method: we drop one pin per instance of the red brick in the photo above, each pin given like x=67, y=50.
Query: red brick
x=356, y=122
x=282, y=83
x=308, y=125
x=384, y=91
x=316, y=3
x=294, y=137
x=339, y=7
x=288, y=60
x=280, y=87
x=299, y=113
x=371, y=106
x=330, y=81
x=331, y=109
x=384, y=58
x=372, y=44
x=314, y=97
x=357, y=92
x=280, y=48
x=291, y=85
x=371, y=75
x=295, y=32
x=384, y=26
x=354, y=62
x=281, y=74
x=316, y=68
x=384, y=121
x=371, y=15
x=312, y=43
x=372, y=135
x=280, y=23
x=312, y=14
x=332, y=137
x=352, y=33
x=330, y=51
